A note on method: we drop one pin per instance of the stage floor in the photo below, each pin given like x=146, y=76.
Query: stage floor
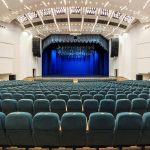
x=76, y=78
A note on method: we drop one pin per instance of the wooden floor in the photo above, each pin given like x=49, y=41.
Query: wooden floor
x=128, y=148
x=75, y=78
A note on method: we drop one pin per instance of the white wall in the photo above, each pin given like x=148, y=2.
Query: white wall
x=134, y=53
x=16, y=53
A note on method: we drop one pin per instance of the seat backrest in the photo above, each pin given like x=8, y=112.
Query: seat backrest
x=74, y=92
x=25, y=105
x=38, y=92
x=139, y=105
x=90, y=106
x=101, y=126
x=98, y=97
x=9, y=105
x=127, y=129
x=145, y=96
x=73, y=126
x=128, y=92
x=3, y=138
x=110, y=96
x=121, y=96
x=111, y=92
x=83, y=93
x=50, y=97
x=122, y=105
x=132, y=96
x=86, y=96
x=40, y=96
x=145, y=134
x=46, y=129
x=74, y=96
x=65, y=92
x=19, y=129
x=145, y=92
x=47, y=92
x=137, y=92
x=29, y=92
x=148, y=105
x=0, y=105
x=74, y=106
x=29, y=96
x=107, y=105
x=18, y=96
x=102, y=92
x=92, y=93
x=63, y=96
x=41, y=105
x=58, y=106
x=56, y=92
x=7, y=96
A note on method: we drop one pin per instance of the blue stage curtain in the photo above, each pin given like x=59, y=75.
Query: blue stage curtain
x=95, y=64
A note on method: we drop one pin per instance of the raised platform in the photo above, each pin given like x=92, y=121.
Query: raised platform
x=74, y=78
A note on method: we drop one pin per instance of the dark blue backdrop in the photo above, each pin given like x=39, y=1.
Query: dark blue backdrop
x=95, y=64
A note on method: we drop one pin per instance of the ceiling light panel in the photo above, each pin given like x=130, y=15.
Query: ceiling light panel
x=60, y=10
x=78, y=10
x=86, y=9
x=91, y=11
x=33, y=15
x=45, y=12
x=22, y=19
x=75, y=10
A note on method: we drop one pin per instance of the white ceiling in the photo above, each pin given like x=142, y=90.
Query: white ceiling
x=88, y=17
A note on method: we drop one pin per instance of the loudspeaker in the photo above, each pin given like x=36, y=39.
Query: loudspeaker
x=12, y=77
x=139, y=77
x=114, y=47
x=36, y=47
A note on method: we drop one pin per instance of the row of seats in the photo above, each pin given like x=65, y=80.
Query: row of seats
x=66, y=97
x=59, y=106
x=46, y=130
x=114, y=87
x=79, y=92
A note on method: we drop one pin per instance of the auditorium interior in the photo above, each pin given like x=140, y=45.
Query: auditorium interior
x=75, y=74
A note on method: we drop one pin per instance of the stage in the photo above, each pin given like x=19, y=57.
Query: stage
x=50, y=78
x=69, y=56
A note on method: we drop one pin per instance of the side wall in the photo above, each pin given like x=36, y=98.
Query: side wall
x=134, y=53
x=16, y=54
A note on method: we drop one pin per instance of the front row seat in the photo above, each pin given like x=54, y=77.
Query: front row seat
x=127, y=129
x=73, y=127
x=46, y=129
x=19, y=129
x=101, y=126
x=4, y=142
